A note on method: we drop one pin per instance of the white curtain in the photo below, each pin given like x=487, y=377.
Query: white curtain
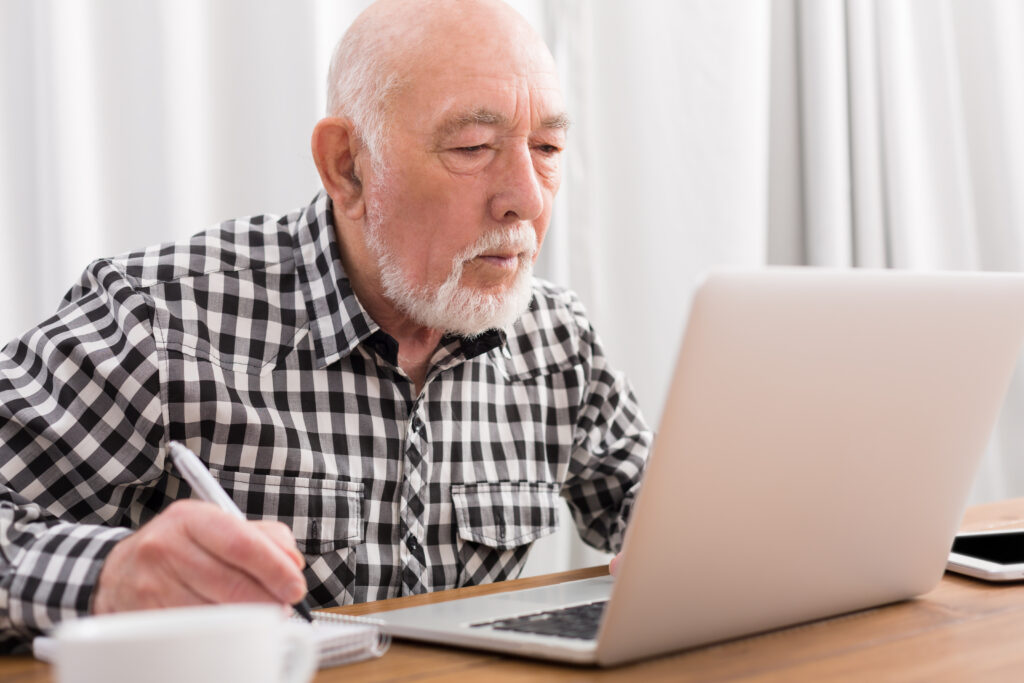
x=896, y=142
x=665, y=176
x=867, y=132
x=127, y=122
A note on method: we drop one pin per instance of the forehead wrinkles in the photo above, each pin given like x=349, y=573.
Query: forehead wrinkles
x=502, y=110
x=482, y=116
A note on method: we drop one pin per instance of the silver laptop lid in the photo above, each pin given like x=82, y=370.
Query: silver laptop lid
x=816, y=450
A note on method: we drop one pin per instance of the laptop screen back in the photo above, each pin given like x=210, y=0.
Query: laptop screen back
x=816, y=450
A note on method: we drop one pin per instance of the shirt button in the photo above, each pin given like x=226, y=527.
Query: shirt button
x=417, y=425
x=413, y=545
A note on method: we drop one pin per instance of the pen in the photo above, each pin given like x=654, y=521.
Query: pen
x=207, y=488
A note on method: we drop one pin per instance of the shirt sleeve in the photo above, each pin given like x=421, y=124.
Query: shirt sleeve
x=610, y=449
x=80, y=430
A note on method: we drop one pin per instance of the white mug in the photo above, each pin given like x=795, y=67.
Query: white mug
x=216, y=643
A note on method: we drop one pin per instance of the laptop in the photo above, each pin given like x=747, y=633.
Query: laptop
x=817, y=445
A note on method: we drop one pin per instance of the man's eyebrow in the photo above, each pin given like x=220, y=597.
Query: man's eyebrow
x=560, y=121
x=485, y=117
x=478, y=117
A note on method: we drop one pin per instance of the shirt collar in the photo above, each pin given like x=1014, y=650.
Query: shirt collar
x=475, y=346
x=338, y=322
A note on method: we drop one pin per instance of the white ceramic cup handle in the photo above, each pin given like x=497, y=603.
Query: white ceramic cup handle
x=300, y=661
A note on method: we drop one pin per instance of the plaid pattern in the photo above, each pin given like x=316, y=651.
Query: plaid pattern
x=247, y=344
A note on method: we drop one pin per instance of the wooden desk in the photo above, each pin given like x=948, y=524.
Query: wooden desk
x=963, y=630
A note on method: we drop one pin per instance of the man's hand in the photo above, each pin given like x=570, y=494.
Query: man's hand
x=613, y=566
x=194, y=553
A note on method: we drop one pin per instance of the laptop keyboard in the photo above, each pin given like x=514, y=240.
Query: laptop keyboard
x=577, y=621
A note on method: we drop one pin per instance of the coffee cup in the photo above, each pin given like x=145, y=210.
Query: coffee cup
x=254, y=643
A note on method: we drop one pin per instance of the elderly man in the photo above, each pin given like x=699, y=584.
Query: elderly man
x=377, y=379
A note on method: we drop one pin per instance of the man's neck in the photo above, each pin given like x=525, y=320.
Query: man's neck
x=416, y=343
x=414, y=356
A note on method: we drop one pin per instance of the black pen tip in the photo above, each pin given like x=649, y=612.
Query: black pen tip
x=303, y=609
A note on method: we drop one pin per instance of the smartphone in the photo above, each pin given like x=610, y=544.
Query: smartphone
x=989, y=555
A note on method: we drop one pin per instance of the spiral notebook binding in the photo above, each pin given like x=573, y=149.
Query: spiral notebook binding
x=349, y=647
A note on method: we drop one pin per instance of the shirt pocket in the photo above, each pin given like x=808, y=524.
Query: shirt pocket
x=505, y=515
x=323, y=514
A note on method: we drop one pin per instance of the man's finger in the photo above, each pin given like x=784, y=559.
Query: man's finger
x=177, y=594
x=244, y=546
x=214, y=581
x=282, y=535
x=613, y=566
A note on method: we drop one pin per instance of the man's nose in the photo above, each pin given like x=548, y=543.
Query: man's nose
x=518, y=193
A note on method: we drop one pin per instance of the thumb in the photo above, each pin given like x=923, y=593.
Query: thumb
x=282, y=537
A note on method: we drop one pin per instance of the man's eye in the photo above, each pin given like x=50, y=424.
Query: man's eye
x=548, y=150
x=474, y=149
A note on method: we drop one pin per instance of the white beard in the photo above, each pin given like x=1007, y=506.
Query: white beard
x=452, y=307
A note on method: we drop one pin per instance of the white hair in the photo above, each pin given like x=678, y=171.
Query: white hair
x=361, y=82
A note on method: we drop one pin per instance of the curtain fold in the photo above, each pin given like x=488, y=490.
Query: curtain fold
x=906, y=151
x=665, y=173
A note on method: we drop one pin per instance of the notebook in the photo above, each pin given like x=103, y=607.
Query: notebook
x=816, y=449
x=340, y=639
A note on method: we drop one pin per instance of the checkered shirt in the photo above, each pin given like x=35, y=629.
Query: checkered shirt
x=247, y=344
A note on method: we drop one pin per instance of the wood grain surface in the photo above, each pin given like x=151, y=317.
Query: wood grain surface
x=964, y=630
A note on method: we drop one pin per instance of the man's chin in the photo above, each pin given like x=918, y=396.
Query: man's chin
x=494, y=295
x=467, y=306
x=493, y=284
x=478, y=310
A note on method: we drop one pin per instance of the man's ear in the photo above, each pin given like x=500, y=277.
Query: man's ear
x=335, y=148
